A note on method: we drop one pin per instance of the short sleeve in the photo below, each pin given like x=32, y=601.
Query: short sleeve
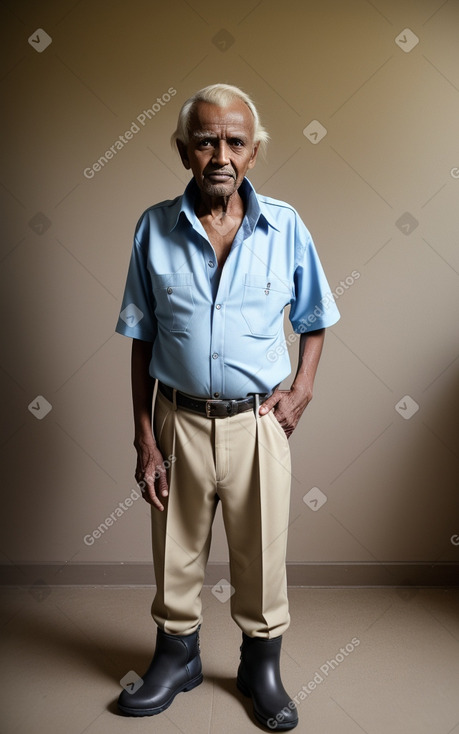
x=313, y=306
x=137, y=317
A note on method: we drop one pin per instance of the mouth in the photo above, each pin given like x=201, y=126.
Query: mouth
x=219, y=176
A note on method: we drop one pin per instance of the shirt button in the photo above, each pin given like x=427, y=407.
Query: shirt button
x=218, y=306
x=211, y=263
x=169, y=290
x=216, y=394
x=215, y=355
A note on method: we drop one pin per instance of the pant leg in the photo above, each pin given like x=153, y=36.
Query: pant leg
x=253, y=481
x=181, y=534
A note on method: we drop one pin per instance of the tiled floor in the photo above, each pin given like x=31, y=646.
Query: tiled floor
x=64, y=651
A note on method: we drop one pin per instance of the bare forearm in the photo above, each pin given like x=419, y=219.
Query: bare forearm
x=289, y=405
x=150, y=473
x=142, y=388
x=311, y=344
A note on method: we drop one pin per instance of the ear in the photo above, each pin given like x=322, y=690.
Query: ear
x=253, y=158
x=183, y=151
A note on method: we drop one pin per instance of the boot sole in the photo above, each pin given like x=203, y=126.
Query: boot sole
x=281, y=726
x=158, y=709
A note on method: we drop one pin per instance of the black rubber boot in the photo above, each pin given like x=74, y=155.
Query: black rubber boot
x=259, y=677
x=176, y=667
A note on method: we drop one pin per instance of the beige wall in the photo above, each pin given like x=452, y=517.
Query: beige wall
x=391, y=116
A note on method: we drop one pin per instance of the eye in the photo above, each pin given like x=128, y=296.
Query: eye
x=236, y=143
x=206, y=143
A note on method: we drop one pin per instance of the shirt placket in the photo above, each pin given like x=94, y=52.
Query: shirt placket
x=218, y=331
x=217, y=336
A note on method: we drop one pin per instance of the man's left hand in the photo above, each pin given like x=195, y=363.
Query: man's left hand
x=288, y=406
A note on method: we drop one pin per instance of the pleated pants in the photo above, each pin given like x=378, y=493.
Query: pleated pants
x=244, y=462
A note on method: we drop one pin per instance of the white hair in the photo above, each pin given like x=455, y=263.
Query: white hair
x=221, y=95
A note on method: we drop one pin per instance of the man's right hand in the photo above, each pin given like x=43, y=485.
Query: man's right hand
x=150, y=472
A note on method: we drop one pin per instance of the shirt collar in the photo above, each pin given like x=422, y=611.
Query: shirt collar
x=255, y=207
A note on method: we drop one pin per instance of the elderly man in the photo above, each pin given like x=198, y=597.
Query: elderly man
x=210, y=275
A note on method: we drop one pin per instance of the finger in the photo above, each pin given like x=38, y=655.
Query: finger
x=162, y=484
x=158, y=479
x=154, y=502
x=151, y=497
x=157, y=484
x=269, y=403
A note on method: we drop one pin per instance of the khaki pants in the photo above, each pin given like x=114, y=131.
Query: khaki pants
x=243, y=461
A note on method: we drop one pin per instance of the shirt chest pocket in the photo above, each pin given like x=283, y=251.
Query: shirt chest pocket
x=174, y=300
x=263, y=301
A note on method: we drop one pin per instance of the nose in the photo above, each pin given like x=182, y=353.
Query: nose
x=221, y=151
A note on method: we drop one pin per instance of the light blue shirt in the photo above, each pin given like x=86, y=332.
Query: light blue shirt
x=218, y=333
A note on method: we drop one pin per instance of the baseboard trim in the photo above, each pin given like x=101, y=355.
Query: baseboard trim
x=315, y=575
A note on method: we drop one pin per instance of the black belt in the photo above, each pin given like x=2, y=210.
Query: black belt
x=210, y=408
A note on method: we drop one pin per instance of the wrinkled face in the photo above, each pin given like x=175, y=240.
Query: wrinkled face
x=221, y=148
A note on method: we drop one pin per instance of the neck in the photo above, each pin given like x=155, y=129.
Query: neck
x=217, y=206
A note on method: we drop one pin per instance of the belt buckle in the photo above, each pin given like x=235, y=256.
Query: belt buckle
x=231, y=408
x=209, y=404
